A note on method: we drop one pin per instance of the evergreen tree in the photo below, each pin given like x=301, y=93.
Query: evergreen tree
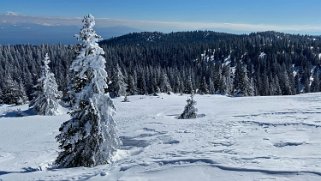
x=217, y=80
x=164, y=84
x=45, y=101
x=285, y=83
x=126, y=99
x=189, y=85
x=211, y=87
x=190, y=112
x=241, y=81
x=132, y=88
x=228, y=80
x=203, y=87
x=118, y=87
x=315, y=86
x=89, y=138
x=177, y=84
x=14, y=92
x=297, y=84
x=276, y=90
x=141, y=84
x=1, y=101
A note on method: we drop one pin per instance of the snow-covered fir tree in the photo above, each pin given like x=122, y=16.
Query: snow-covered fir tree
x=14, y=92
x=126, y=99
x=315, y=85
x=242, y=84
x=1, y=101
x=118, y=87
x=89, y=138
x=131, y=87
x=189, y=85
x=190, y=112
x=45, y=101
x=164, y=84
x=203, y=87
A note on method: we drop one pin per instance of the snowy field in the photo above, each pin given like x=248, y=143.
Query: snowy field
x=252, y=138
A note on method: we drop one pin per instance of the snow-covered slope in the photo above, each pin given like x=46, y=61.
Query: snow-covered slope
x=250, y=138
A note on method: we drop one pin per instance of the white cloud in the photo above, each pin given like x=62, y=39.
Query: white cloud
x=12, y=13
x=166, y=26
x=235, y=27
x=46, y=24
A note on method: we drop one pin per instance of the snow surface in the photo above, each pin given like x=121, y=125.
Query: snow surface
x=246, y=138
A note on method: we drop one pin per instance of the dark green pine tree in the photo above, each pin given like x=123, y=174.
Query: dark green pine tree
x=241, y=81
x=203, y=87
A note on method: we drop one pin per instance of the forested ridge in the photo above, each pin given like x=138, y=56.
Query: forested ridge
x=266, y=63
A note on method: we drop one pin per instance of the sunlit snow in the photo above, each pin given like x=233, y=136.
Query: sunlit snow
x=247, y=138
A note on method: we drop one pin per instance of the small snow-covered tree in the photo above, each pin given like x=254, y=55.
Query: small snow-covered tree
x=164, y=83
x=126, y=99
x=45, y=101
x=190, y=112
x=118, y=87
x=89, y=138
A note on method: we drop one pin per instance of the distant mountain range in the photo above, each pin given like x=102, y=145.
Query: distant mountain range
x=41, y=33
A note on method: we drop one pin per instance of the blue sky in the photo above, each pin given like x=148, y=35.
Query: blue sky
x=234, y=16
x=228, y=11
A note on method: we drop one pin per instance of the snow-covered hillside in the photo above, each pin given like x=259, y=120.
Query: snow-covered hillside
x=250, y=138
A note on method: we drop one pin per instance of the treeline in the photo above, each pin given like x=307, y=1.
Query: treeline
x=267, y=63
x=20, y=69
